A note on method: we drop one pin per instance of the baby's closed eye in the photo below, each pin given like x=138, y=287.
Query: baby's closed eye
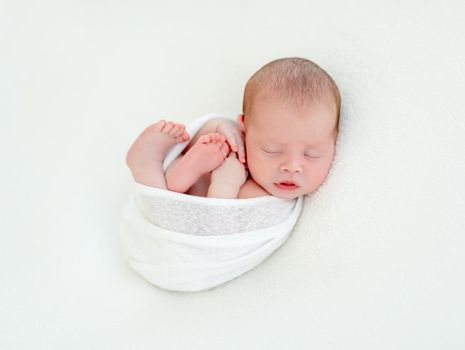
x=278, y=152
x=271, y=151
x=312, y=156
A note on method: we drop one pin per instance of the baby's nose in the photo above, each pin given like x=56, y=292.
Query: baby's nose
x=291, y=167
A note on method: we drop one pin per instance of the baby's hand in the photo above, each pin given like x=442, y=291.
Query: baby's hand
x=230, y=172
x=234, y=137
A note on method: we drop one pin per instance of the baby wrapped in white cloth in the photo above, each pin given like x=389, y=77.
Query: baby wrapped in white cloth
x=288, y=128
x=186, y=243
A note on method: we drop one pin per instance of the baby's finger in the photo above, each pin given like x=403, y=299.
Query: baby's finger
x=241, y=152
x=232, y=142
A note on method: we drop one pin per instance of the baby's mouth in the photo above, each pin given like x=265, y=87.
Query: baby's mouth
x=286, y=185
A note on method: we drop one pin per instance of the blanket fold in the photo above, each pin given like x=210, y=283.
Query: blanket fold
x=186, y=243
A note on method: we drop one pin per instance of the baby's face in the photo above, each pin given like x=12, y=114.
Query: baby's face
x=290, y=148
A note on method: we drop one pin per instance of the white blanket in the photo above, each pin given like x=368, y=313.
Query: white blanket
x=186, y=243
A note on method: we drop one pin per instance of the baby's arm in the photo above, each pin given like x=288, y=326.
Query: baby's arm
x=227, y=179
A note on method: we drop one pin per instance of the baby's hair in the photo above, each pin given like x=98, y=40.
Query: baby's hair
x=295, y=78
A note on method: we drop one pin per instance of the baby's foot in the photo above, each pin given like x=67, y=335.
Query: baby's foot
x=206, y=155
x=155, y=141
x=146, y=155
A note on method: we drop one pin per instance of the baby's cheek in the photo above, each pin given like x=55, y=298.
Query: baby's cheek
x=321, y=174
x=257, y=172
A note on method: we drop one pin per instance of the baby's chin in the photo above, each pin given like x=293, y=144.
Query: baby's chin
x=285, y=193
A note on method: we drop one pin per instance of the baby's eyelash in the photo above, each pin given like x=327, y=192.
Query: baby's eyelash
x=279, y=152
x=270, y=152
x=312, y=157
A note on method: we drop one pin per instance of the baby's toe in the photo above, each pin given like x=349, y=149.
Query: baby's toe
x=204, y=139
x=176, y=131
x=218, y=138
x=160, y=124
x=221, y=138
x=168, y=127
x=180, y=139
x=185, y=136
x=181, y=135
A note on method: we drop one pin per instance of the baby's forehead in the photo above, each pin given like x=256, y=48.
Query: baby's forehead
x=282, y=113
x=300, y=137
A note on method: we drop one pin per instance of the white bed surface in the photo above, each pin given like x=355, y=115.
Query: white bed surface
x=375, y=263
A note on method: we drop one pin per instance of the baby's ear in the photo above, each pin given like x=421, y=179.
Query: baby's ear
x=240, y=121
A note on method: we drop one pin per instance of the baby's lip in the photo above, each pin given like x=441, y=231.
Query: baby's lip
x=287, y=182
x=286, y=185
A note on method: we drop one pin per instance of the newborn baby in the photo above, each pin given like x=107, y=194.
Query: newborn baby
x=285, y=137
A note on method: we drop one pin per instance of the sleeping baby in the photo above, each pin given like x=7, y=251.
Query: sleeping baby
x=282, y=144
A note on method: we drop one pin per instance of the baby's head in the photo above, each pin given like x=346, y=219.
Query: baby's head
x=290, y=120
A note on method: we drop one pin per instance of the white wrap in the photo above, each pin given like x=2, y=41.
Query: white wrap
x=187, y=243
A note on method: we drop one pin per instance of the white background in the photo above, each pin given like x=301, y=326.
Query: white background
x=377, y=259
